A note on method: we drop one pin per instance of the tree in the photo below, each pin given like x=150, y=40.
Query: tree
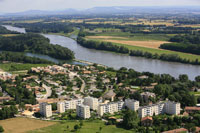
x=197, y=79
x=183, y=78
x=76, y=127
x=54, y=106
x=130, y=119
x=1, y=129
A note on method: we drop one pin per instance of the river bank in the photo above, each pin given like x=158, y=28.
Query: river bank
x=117, y=61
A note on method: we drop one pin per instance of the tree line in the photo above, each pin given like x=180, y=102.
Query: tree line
x=21, y=58
x=8, y=112
x=35, y=43
x=184, y=43
x=3, y=30
x=46, y=27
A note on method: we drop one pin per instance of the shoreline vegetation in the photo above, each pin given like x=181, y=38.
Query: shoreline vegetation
x=113, y=47
x=31, y=42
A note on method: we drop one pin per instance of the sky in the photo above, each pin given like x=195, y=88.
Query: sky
x=11, y=6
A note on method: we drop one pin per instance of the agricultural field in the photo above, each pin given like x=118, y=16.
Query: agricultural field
x=22, y=125
x=191, y=57
x=88, y=127
x=122, y=40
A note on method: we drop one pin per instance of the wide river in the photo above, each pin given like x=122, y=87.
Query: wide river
x=118, y=60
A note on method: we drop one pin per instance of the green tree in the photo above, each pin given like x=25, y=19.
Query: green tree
x=130, y=119
x=1, y=129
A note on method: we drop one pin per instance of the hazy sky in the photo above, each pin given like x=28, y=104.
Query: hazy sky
x=22, y=5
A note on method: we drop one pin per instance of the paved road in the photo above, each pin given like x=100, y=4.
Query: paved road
x=48, y=90
x=83, y=82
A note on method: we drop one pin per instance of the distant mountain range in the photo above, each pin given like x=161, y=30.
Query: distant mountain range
x=110, y=10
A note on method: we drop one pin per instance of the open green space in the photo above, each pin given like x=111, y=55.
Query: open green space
x=136, y=37
x=12, y=67
x=88, y=127
x=75, y=32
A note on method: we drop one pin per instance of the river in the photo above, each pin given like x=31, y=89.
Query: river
x=118, y=60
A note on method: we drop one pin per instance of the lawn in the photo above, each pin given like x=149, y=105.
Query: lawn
x=88, y=127
x=13, y=67
x=21, y=125
x=195, y=93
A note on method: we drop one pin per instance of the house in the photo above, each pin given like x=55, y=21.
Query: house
x=147, y=95
x=5, y=99
x=110, y=95
x=192, y=109
x=147, y=121
x=180, y=130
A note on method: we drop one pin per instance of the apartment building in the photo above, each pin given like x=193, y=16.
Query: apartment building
x=61, y=107
x=46, y=109
x=172, y=108
x=132, y=104
x=83, y=111
x=92, y=102
x=111, y=107
x=160, y=108
x=73, y=103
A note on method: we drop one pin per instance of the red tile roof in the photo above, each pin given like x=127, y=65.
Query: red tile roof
x=147, y=118
x=192, y=108
x=176, y=130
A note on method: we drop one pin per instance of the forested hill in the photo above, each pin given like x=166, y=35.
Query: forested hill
x=35, y=43
x=184, y=43
x=3, y=30
x=46, y=27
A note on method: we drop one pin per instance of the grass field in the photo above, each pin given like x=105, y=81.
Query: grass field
x=22, y=125
x=149, y=44
x=9, y=35
x=75, y=32
x=13, y=67
x=195, y=93
x=88, y=127
x=136, y=37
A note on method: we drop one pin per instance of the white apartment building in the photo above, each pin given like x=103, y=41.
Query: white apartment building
x=120, y=105
x=46, y=109
x=172, y=108
x=160, y=108
x=132, y=104
x=83, y=111
x=110, y=107
x=61, y=107
x=73, y=103
x=92, y=102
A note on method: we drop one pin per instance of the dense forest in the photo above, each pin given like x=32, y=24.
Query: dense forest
x=46, y=27
x=184, y=43
x=21, y=58
x=3, y=30
x=35, y=43
x=107, y=46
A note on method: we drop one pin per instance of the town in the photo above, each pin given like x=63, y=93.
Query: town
x=87, y=92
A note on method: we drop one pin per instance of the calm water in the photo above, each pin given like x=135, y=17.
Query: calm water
x=117, y=60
